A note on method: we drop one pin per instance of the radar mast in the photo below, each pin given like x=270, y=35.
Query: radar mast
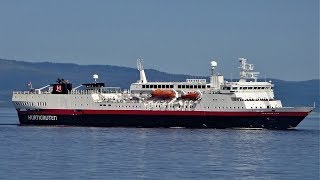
x=143, y=79
x=246, y=71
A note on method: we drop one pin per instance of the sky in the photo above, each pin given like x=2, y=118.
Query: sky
x=280, y=37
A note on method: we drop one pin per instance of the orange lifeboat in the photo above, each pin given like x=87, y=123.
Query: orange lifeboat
x=159, y=93
x=190, y=95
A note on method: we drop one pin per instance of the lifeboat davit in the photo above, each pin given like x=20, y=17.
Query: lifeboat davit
x=159, y=93
x=190, y=95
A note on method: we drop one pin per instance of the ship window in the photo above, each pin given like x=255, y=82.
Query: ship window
x=179, y=86
x=163, y=86
x=143, y=86
x=109, y=104
x=234, y=88
x=245, y=87
x=203, y=86
x=151, y=86
x=255, y=88
x=249, y=87
x=171, y=86
x=187, y=86
x=167, y=86
x=183, y=86
x=147, y=86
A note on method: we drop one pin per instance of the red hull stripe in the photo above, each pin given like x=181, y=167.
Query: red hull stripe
x=160, y=113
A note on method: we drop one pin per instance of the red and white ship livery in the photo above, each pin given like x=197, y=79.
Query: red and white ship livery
x=194, y=103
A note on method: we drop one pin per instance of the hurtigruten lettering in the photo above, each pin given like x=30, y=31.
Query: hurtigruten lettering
x=42, y=118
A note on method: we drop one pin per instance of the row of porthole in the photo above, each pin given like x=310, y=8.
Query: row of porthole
x=255, y=99
x=121, y=106
x=80, y=104
x=231, y=107
x=24, y=103
x=173, y=106
x=224, y=107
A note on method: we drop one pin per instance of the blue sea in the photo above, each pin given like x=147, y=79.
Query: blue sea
x=48, y=152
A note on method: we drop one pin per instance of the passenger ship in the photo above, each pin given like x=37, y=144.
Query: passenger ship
x=194, y=103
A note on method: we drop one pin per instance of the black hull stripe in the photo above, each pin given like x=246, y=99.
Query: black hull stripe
x=165, y=113
x=118, y=120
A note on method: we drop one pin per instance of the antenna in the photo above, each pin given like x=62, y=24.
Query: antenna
x=140, y=64
x=247, y=71
x=143, y=78
x=95, y=77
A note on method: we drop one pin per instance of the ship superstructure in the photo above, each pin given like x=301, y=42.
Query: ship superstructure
x=194, y=103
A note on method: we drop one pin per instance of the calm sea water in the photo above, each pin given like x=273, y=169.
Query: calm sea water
x=37, y=152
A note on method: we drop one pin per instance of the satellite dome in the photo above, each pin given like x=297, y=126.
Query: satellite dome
x=214, y=64
x=95, y=76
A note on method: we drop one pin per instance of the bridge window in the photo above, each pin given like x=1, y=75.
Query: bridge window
x=179, y=86
x=171, y=86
